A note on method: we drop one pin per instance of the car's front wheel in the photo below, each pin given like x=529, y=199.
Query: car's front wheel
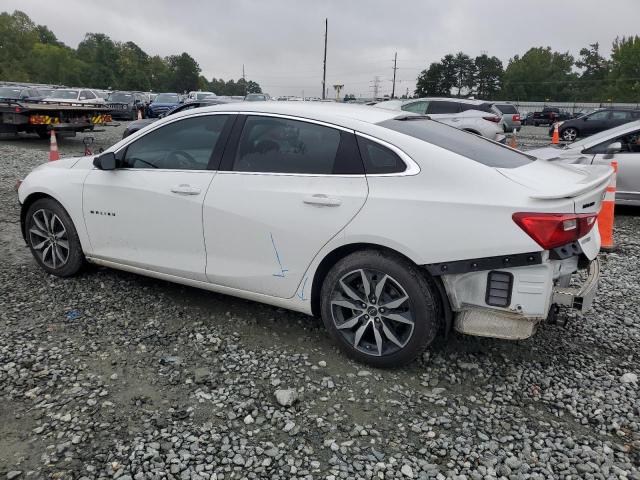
x=379, y=308
x=569, y=134
x=52, y=238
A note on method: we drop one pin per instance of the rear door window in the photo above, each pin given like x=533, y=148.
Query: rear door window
x=282, y=145
x=443, y=106
x=506, y=108
x=620, y=115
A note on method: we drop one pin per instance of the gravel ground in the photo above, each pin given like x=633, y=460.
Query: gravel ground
x=112, y=375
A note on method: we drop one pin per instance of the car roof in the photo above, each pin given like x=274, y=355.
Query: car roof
x=347, y=115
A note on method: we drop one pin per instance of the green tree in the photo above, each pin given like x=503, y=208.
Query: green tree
x=488, y=77
x=101, y=55
x=160, y=75
x=18, y=35
x=539, y=75
x=595, y=70
x=624, y=78
x=185, y=71
x=434, y=82
x=134, y=71
x=464, y=73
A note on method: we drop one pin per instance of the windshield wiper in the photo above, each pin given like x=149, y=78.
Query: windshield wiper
x=404, y=118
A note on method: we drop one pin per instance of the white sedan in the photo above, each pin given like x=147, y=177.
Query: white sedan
x=75, y=95
x=391, y=228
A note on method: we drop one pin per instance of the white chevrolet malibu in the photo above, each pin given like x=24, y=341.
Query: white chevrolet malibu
x=390, y=226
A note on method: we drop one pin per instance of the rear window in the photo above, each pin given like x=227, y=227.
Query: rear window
x=443, y=106
x=506, y=108
x=469, y=145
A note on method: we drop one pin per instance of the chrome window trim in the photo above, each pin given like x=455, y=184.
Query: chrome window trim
x=412, y=167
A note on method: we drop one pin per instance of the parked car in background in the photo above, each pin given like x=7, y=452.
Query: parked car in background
x=20, y=93
x=509, y=116
x=594, y=122
x=126, y=105
x=383, y=224
x=136, y=125
x=199, y=95
x=548, y=116
x=526, y=118
x=472, y=116
x=75, y=95
x=621, y=142
x=257, y=97
x=163, y=103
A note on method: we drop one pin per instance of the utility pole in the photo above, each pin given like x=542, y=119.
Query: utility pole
x=244, y=81
x=393, y=89
x=324, y=64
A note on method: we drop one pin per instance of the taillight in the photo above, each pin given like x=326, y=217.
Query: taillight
x=492, y=119
x=551, y=230
x=18, y=110
x=516, y=118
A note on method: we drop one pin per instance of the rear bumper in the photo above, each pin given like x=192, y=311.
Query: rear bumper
x=531, y=293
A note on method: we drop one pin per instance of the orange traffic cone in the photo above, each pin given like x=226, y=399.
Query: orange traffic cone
x=139, y=114
x=513, y=143
x=53, y=147
x=606, y=215
x=555, y=139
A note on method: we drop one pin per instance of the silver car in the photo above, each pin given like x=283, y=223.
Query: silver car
x=621, y=144
x=510, y=117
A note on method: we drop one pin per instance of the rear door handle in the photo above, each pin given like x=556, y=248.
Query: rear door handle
x=184, y=189
x=322, y=200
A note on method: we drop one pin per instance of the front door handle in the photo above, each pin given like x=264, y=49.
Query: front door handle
x=184, y=189
x=322, y=200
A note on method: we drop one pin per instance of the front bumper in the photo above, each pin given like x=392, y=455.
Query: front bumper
x=579, y=298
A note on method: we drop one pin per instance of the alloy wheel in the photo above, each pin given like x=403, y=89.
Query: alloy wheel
x=569, y=134
x=48, y=237
x=372, y=312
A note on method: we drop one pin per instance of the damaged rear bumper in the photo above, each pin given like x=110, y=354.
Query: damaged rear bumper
x=579, y=298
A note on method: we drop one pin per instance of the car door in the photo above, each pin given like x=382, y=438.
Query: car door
x=286, y=187
x=594, y=123
x=444, y=110
x=619, y=117
x=148, y=212
x=628, y=159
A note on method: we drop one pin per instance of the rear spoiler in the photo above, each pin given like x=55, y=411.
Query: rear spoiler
x=595, y=176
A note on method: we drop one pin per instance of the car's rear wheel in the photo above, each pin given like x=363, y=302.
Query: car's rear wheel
x=379, y=308
x=52, y=238
x=569, y=134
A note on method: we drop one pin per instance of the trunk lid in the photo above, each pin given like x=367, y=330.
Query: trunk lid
x=585, y=184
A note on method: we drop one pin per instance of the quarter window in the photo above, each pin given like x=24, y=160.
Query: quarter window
x=279, y=145
x=183, y=145
x=378, y=159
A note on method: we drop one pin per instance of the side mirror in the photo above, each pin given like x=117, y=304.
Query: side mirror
x=614, y=147
x=105, y=161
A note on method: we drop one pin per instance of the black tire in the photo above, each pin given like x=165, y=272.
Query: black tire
x=421, y=303
x=37, y=233
x=43, y=133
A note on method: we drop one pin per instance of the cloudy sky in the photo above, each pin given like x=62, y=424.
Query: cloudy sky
x=280, y=42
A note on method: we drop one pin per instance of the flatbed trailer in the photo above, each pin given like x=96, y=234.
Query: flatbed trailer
x=40, y=117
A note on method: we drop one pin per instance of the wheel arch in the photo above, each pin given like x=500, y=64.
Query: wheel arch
x=337, y=254
x=28, y=201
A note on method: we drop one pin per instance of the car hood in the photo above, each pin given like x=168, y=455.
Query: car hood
x=551, y=180
x=64, y=163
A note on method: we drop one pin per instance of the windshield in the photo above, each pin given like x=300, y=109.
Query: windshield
x=46, y=92
x=469, y=145
x=6, y=92
x=167, y=98
x=120, y=97
x=200, y=96
x=255, y=98
x=65, y=94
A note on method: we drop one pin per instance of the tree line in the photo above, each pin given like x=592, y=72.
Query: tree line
x=540, y=75
x=32, y=53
